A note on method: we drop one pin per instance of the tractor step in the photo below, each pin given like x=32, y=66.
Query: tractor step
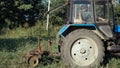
x=114, y=49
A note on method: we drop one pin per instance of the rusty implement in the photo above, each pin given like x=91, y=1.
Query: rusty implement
x=34, y=56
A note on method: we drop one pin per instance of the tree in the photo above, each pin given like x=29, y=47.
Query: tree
x=59, y=16
x=16, y=12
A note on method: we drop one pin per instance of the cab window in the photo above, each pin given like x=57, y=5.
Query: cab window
x=82, y=13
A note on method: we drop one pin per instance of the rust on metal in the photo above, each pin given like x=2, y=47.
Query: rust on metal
x=33, y=56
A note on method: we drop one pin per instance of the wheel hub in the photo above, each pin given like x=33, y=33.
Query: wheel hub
x=84, y=52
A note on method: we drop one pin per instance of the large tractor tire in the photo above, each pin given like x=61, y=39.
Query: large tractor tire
x=82, y=49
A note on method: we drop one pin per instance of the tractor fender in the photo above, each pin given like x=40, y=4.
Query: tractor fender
x=117, y=29
x=66, y=29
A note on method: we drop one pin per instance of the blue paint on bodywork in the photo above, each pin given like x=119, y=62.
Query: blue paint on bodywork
x=64, y=28
x=117, y=29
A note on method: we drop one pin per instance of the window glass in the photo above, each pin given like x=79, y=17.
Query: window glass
x=82, y=13
x=102, y=11
x=110, y=12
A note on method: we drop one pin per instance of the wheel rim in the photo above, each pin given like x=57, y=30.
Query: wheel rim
x=84, y=52
x=33, y=61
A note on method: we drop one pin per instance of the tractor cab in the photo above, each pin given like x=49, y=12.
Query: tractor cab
x=91, y=11
x=93, y=15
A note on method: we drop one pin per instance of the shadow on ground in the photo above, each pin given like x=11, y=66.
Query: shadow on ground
x=11, y=44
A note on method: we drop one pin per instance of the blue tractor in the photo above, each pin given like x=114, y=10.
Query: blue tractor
x=90, y=32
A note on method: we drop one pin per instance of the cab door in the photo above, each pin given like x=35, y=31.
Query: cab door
x=103, y=18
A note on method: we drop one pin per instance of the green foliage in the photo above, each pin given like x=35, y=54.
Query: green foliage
x=59, y=16
x=15, y=43
x=117, y=13
x=25, y=7
x=17, y=12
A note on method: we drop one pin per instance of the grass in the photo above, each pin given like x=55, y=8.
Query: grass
x=15, y=43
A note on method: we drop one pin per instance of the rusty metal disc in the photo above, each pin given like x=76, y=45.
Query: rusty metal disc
x=33, y=61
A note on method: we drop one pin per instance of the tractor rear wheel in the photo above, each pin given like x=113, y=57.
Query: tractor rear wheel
x=82, y=49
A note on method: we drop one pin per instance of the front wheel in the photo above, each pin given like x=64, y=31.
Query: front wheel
x=82, y=49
